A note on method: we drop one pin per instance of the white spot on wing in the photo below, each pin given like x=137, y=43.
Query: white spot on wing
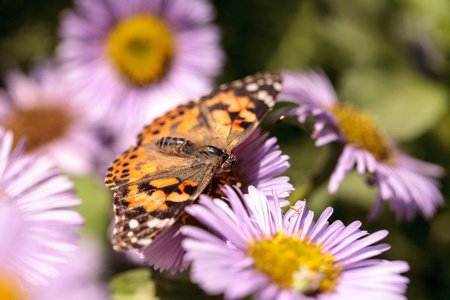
x=266, y=98
x=237, y=83
x=160, y=223
x=277, y=86
x=145, y=242
x=269, y=101
x=262, y=95
x=248, y=79
x=133, y=223
x=252, y=87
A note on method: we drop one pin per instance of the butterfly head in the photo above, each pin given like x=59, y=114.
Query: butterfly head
x=228, y=164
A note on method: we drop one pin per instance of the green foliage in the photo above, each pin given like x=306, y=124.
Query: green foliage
x=139, y=284
x=96, y=206
x=133, y=285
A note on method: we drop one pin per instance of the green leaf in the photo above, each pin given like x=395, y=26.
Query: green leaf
x=28, y=42
x=347, y=33
x=298, y=45
x=95, y=207
x=433, y=17
x=133, y=285
x=141, y=284
x=177, y=286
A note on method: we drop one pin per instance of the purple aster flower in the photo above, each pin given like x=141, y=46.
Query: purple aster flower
x=38, y=107
x=257, y=250
x=408, y=183
x=80, y=280
x=165, y=252
x=140, y=57
x=259, y=163
x=36, y=224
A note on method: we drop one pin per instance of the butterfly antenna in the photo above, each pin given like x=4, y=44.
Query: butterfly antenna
x=263, y=133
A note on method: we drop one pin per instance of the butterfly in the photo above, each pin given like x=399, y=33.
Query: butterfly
x=177, y=155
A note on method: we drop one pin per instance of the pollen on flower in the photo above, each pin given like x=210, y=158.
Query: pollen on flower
x=360, y=129
x=141, y=48
x=40, y=125
x=294, y=208
x=295, y=263
x=10, y=289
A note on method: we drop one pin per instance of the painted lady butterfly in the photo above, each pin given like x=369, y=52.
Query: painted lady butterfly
x=177, y=155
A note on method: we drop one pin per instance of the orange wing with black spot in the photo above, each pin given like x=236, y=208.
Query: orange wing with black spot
x=168, y=169
x=145, y=208
x=151, y=190
x=234, y=110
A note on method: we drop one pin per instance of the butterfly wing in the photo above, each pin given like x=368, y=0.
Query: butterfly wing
x=151, y=188
x=224, y=118
x=146, y=159
x=234, y=110
x=146, y=207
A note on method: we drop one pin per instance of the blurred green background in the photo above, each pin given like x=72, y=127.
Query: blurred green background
x=390, y=58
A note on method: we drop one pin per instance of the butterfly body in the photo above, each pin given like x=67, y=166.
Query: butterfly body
x=185, y=148
x=177, y=155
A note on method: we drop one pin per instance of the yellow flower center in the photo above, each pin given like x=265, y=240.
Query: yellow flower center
x=361, y=130
x=295, y=264
x=40, y=125
x=9, y=288
x=141, y=48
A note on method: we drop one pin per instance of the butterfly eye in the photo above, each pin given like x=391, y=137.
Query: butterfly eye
x=229, y=163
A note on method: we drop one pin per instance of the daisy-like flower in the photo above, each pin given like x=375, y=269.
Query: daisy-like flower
x=80, y=280
x=256, y=250
x=39, y=108
x=408, y=183
x=259, y=163
x=36, y=224
x=139, y=57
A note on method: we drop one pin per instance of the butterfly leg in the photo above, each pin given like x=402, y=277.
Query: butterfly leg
x=208, y=188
